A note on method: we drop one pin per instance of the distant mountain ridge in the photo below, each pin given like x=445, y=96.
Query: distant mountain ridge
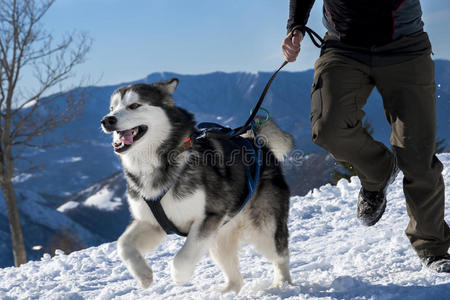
x=219, y=97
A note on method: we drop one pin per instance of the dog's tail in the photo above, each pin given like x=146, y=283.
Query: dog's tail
x=271, y=136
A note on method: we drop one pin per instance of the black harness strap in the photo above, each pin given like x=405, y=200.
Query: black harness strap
x=160, y=216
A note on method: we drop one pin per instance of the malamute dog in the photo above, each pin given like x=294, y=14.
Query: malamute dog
x=203, y=186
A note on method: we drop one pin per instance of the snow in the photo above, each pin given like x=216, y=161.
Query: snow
x=332, y=257
x=229, y=120
x=30, y=104
x=21, y=178
x=68, y=206
x=70, y=160
x=104, y=199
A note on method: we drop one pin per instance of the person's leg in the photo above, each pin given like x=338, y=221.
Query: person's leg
x=408, y=91
x=340, y=90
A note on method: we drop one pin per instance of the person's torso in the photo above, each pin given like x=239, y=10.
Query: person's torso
x=372, y=22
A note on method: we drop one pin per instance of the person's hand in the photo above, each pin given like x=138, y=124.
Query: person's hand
x=291, y=45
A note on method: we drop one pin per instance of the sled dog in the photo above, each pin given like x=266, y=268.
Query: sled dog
x=203, y=187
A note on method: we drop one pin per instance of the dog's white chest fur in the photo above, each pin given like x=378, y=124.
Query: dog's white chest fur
x=182, y=212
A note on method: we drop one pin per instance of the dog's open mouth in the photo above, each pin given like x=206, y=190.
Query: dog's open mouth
x=126, y=138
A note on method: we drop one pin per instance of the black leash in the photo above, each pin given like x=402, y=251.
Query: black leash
x=245, y=127
x=315, y=37
x=228, y=133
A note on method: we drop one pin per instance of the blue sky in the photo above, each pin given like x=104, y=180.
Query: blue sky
x=137, y=37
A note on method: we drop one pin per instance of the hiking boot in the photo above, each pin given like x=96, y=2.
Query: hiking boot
x=440, y=264
x=371, y=205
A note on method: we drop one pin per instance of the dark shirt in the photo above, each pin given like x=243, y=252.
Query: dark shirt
x=362, y=22
x=375, y=32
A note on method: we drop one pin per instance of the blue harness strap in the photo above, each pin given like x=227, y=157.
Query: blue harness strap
x=252, y=177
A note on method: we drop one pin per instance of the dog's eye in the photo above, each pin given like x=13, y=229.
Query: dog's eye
x=133, y=106
x=111, y=108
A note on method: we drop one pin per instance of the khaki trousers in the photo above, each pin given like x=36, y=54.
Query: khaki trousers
x=340, y=91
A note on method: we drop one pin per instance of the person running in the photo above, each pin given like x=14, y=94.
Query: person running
x=379, y=44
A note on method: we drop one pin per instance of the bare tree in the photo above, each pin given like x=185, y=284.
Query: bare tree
x=25, y=114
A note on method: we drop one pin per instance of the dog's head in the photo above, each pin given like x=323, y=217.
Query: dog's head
x=137, y=115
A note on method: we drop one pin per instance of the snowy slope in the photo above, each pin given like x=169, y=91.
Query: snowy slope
x=102, y=208
x=40, y=224
x=332, y=257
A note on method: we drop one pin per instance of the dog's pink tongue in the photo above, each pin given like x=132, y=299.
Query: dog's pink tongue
x=127, y=136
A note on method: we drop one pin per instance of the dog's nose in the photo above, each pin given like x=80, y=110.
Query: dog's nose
x=109, y=121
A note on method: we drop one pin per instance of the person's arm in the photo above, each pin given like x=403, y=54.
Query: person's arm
x=298, y=17
x=298, y=14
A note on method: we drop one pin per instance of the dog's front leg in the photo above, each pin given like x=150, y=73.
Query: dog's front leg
x=139, y=238
x=197, y=244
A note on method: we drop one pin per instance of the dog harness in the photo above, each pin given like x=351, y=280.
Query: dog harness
x=217, y=131
x=252, y=171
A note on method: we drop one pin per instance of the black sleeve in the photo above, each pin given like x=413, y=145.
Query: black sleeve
x=298, y=14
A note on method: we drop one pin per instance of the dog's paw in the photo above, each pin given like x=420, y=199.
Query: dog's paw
x=280, y=284
x=181, y=274
x=234, y=286
x=144, y=276
x=145, y=282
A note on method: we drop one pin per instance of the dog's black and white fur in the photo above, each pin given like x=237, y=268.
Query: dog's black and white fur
x=202, y=194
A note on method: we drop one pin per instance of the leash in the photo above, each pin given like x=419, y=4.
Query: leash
x=314, y=36
x=220, y=133
x=245, y=127
x=229, y=133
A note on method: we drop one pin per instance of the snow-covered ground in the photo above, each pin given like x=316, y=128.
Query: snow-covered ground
x=332, y=257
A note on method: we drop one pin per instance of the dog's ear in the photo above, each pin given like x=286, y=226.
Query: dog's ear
x=169, y=86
